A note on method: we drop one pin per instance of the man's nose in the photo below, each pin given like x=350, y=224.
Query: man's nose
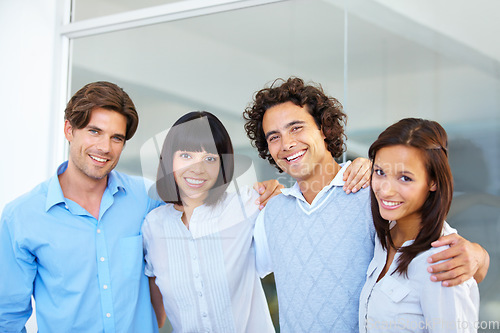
x=288, y=142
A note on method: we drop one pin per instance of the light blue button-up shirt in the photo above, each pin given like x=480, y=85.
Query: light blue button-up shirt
x=86, y=275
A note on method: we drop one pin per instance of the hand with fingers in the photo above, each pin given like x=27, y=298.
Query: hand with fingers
x=464, y=260
x=357, y=175
x=267, y=189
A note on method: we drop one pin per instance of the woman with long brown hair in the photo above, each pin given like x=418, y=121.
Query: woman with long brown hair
x=411, y=193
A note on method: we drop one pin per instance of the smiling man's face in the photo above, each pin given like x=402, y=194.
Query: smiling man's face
x=96, y=148
x=294, y=141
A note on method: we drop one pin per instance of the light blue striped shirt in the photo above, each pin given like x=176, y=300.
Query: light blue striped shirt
x=86, y=275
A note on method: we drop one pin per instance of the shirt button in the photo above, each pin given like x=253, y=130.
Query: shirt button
x=108, y=315
x=102, y=259
x=200, y=294
x=98, y=231
x=204, y=314
x=194, y=257
x=197, y=275
x=66, y=206
x=105, y=286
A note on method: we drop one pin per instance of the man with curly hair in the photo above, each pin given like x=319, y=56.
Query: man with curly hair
x=317, y=239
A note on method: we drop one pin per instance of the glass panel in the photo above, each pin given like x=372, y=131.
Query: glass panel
x=87, y=9
x=214, y=63
x=397, y=69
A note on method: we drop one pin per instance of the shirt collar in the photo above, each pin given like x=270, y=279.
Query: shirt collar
x=336, y=181
x=55, y=194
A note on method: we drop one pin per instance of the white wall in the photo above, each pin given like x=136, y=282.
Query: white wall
x=28, y=30
x=26, y=94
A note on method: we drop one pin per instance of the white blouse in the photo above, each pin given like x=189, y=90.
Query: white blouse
x=415, y=304
x=207, y=274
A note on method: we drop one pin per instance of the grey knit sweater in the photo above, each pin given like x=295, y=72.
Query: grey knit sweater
x=320, y=254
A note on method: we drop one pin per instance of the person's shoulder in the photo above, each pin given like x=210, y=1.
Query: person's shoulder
x=360, y=197
x=245, y=192
x=245, y=197
x=131, y=179
x=37, y=195
x=421, y=258
x=361, y=193
x=280, y=199
x=137, y=185
x=161, y=212
x=417, y=269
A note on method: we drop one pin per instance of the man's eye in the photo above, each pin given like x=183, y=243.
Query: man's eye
x=272, y=138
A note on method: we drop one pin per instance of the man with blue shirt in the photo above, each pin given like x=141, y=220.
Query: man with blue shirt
x=74, y=241
x=317, y=239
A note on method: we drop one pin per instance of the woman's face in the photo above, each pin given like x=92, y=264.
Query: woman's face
x=400, y=183
x=195, y=173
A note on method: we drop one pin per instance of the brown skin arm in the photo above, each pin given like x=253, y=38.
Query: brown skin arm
x=466, y=260
x=267, y=189
x=357, y=175
x=157, y=301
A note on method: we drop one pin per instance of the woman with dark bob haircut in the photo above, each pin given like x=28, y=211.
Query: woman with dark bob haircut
x=199, y=247
x=195, y=131
x=411, y=193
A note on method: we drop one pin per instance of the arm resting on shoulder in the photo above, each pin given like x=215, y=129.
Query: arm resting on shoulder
x=466, y=260
x=267, y=189
x=357, y=175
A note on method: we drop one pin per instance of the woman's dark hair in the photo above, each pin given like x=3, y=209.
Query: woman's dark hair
x=104, y=95
x=195, y=131
x=326, y=111
x=432, y=140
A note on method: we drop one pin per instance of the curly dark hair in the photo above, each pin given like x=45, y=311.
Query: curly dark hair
x=326, y=111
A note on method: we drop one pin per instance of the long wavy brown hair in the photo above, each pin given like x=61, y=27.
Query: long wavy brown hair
x=326, y=111
x=432, y=140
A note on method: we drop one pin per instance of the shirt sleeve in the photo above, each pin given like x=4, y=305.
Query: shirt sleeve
x=450, y=309
x=154, y=199
x=262, y=254
x=146, y=236
x=16, y=283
